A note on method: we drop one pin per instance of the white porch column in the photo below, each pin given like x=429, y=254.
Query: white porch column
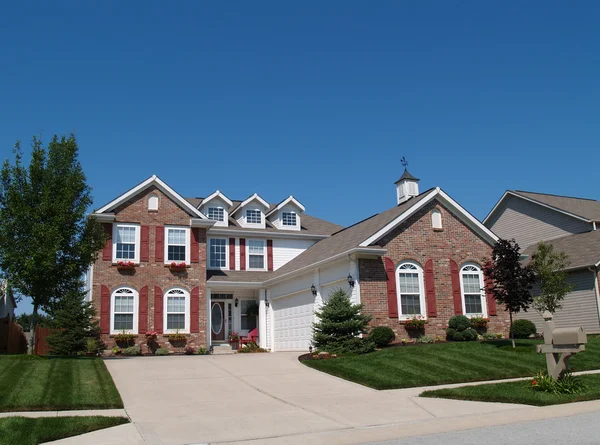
x=208, y=315
x=262, y=318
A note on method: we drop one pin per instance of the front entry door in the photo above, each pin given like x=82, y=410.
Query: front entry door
x=217, y=321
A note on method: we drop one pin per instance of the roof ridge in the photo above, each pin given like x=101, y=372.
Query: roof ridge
x=558, y=196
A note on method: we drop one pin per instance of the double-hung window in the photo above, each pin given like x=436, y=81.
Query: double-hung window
x=253, y=216
x=410, y=289
x=473, y=292
x=256, y=254
x=176, y=247
x=126, y=242
x=177, y=310
x=288, y=218
x=216, y=213
x=124, y=310
x=217, y=253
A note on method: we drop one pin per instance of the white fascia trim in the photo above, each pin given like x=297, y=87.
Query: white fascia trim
x=216, y=194
x=234, y=284
x=197, y=222
x=104, y=217
x=254, y=197
x=517, y=195
x=369, y=251
x=399, y=219
x=288, y=234
x=286, y=202
x=161, y=185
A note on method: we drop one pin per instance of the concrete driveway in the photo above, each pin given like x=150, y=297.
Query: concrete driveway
x=267, y=398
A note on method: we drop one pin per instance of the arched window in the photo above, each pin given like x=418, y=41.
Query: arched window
x=177, y=311
x=124, y=311
x=152, y=202
x=409, y=287
x=472, y=290
x=436, y=219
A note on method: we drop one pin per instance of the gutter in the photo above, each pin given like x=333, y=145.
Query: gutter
x=594, y=270
x=287, y=234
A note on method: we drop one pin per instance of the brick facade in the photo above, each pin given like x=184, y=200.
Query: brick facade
x=152, y=273
x=416, y=240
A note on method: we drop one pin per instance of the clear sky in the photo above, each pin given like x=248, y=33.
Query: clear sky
x=316, y=99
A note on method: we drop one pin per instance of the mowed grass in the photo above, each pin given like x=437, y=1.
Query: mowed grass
x=518, y=392
x=32, y=431
x=29, y=383
x=441, y=363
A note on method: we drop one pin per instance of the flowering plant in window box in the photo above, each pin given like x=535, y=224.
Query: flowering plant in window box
x=125, y=265
x=479, y=322
x=177, y=337
x=417, y=322
x=177, y=266
x=124, y=339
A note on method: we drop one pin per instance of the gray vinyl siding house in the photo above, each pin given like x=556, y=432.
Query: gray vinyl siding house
x=570, y=225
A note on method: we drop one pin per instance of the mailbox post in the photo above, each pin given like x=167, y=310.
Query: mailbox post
x=559, y=345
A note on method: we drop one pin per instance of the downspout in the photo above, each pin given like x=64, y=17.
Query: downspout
x=594, y=270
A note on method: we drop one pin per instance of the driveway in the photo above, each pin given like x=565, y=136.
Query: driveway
x=267, y=398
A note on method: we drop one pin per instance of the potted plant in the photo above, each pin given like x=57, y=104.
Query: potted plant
x=234, y=340
x=416, y=323
x=125, y=265
x=151, y=337
x=177, y=267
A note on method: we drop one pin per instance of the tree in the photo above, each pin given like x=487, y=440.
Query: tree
x=26, y=320
x=340, y=324
x=74, y=322
x=46, y=242
x=549, y=267
x=508, y=279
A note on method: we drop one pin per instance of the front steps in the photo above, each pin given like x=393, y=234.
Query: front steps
x=223, y=348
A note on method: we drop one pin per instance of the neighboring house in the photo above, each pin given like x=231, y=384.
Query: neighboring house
x=422, y=257
x=570, y=225
x=7, y=301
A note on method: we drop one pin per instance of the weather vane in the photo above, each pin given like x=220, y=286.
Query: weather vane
x=404, y=162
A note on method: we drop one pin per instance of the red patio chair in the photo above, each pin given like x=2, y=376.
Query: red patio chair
x=252, y=336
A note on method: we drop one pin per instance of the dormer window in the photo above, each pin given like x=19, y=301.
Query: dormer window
x=216, y=213
x=253, y=216
x=288, y=218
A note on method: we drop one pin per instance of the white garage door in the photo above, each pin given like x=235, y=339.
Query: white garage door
x=293, y=318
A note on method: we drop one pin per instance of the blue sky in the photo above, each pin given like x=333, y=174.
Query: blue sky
x=316, y=99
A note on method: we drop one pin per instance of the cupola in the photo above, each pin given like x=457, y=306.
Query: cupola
x=406, y=187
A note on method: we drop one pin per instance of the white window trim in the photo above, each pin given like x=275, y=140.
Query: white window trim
x=283, y=226
x=421, y=291
x=216, y=207
x=208, y=264
x=186, y=294
x=136, y=258
x=249, y=224
x=484, y=313
x=248, y=254
x=136, y=310
x=188, y=246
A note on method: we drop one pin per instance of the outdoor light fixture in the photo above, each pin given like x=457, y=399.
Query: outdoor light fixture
x=237, y=302
x=350, y=280
x=267, y=302
x=313, y=289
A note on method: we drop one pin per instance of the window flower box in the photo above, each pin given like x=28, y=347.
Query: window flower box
x=177, y=267
x=125, y=340
x=125, y=265
x=479, y=322
x=177, y=338
x=415, y=323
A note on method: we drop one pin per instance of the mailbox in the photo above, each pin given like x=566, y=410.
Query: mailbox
x=569, y=336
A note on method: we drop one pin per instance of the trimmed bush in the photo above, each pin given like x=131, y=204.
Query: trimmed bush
x=523, y=328
x=469, y=334
x=450, y=334
x=458, y=336
x=162, y=351
x=382, y=336
x=132, y=350
x=459, y=323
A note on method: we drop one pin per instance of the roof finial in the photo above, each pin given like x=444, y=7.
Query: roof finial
x=404, y=162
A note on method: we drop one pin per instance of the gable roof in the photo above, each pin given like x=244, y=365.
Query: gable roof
x=583, y=249
x=284, y=203
x=163, y=187
x=254, y=197
x=580, y=208
x=219, y=195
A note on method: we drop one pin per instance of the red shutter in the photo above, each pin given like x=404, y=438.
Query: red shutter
x=231, y=253
x=269, y=254
x=107, y=250
x=159, y=244
x=195, y=254
x=242, y=254
x=489, y=294
x=158, y=310
x=455, y=288
x=195, y=310
x=430, y=289
x=145, y=244
x=143, y=321
x=104, y=310
x=390, y=270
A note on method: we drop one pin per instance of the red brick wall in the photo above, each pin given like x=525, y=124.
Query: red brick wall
x=152, y=273
x=416, y=240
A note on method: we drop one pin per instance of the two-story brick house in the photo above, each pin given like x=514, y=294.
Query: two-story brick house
x=422, y=257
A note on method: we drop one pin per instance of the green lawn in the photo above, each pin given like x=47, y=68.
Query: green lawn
x=30, y=431
x=436, y=364
x=29, y=383
x=518, y=392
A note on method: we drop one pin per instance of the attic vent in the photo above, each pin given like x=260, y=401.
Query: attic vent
x=153, y=203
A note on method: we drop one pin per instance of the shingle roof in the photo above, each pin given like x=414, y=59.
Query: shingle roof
x=406, y=175
x=348, y=238
x=585, y=208
x=583, y=249
x=237, y=276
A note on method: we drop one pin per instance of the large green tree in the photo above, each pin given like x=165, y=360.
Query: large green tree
x=46, y=241
x=549, y=267
x=509, y=280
